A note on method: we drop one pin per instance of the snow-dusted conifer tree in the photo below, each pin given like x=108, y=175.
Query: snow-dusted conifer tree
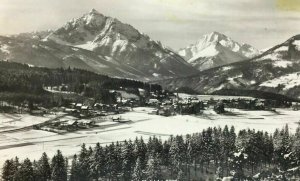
x=153, y=170
x=83, y=164
x=25, y=173
x=44, y=170
x=8, y=171
x=58, y=167
x=138, y=174
x=74, y=172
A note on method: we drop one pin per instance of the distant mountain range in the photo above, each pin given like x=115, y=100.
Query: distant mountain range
x=104, y=45
x=216, y=49
x=100, y=44
x=277, y=70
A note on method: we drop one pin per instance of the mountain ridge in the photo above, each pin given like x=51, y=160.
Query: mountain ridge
x=100, y=44
x=277, y=70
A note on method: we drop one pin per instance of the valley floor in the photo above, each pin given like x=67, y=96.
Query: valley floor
x=17, y=138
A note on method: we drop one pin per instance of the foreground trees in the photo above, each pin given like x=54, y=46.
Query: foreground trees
x=41, y=170
x=214, y=153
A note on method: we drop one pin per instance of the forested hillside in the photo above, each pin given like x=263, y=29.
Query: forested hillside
x=20, y=82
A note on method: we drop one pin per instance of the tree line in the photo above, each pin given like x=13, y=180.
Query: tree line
x=214, y=152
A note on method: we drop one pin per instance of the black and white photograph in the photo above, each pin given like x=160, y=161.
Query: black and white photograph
x=149, y=90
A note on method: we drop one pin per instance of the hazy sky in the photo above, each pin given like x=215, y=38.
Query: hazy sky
x=176, y=23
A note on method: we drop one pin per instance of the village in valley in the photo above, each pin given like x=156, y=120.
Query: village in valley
x=135, y=113
x=71, y=109
x=88, y=113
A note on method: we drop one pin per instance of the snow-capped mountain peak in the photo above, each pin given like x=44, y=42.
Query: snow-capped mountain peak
x=215, y=37
x=109, y=37
x=216, y=49
x=94, y=18
x=94, y=11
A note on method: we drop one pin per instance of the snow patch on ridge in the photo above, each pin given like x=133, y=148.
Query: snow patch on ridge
x=282, y=49
x=273, y=56
x=282, y=63
x=289, y=81
x=297, y=44
x=227, y=68
x=207, y=52
x=87, y=46
x=155, y=75
x=232, y=78
x=4, y=49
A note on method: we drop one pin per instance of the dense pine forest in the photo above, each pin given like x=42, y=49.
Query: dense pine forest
x=210, y=155
x=20, y=82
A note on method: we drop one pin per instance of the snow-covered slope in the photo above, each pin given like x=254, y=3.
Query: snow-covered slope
x=277, y=70
x=96, y=43
x=53, y=55
x=109, y=37
x=216, y=49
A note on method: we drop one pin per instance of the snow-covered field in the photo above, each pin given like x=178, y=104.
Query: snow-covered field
x=15, y=121
x=32, y=143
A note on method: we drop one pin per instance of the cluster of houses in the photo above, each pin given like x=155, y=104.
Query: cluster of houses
x=72, y=125
x=194, y=105
x=166, y=104
x=80, y=110
x=172, y=104
x=68, y=124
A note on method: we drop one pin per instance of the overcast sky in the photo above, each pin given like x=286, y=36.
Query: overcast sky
x=176, y=23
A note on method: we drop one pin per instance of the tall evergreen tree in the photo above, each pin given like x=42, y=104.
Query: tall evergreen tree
x=207, y=146
x=153, y=170
x=177, y=153
x=166, y=154
x=217, y=147
x=17, y=166
x=296, y=147
x=112, y=163
x=36, y=174
x=75, y=170
x=138, y=174
x=140, y=151
x=25, y=173
x=282, y=148
x=268, y=146
x=44, y=169
x=8, y=171
x=84, y=164
x=226, y=142
x=128, y=160
x=118, y=160
x=58, y=167
x=98, y=162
